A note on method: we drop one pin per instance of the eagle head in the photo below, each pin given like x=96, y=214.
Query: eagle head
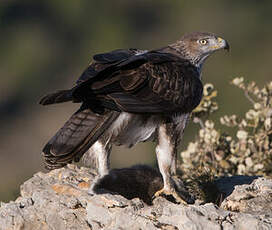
x=197, y=46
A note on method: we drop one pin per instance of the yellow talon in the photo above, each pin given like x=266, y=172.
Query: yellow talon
x=174, y=194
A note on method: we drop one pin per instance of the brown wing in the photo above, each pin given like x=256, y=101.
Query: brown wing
x=101, y=62
x=104, y=60
x=152, y=82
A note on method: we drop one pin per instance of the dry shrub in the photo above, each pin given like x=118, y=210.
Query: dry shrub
x=248, y=151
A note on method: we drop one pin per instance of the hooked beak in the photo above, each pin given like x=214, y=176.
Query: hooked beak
x=223, y=44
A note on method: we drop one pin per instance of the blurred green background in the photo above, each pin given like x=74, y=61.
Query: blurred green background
x=46, y=44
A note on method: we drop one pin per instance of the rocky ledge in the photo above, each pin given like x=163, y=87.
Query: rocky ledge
x=60, y=200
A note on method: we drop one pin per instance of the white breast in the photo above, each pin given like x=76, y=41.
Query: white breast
x=129, y=129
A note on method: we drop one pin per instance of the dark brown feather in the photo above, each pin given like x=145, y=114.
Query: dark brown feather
x=76, y=136
x=160, y=80
x=101, y=62
x=57, y=97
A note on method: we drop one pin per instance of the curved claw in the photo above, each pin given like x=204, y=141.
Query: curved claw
x=166, y=193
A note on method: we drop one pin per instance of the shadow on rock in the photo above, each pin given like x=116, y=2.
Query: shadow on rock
x=139, y=181
x=142, y=181
x=226, y=185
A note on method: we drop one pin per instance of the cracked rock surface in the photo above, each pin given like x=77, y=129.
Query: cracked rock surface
x=60, y=200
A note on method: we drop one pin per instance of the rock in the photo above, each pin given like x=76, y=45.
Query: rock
x=60, y=200
x=251, y=198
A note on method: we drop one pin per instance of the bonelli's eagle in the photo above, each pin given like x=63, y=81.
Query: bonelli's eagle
x=129, y=96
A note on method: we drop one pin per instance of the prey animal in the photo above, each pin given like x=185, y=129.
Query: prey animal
x=129, y=96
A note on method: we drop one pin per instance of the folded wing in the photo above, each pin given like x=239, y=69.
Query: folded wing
x=151, y=82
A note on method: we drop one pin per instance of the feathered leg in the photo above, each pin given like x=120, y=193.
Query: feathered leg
x=100, y=153
x=166, y=152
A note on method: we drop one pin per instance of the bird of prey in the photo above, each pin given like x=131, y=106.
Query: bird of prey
x=129, y=96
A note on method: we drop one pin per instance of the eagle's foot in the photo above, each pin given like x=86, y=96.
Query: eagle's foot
x=176, y=192
x=170, y=195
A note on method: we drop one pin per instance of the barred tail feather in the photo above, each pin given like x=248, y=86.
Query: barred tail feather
x=77, y=135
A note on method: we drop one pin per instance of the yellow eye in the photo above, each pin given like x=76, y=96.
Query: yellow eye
x=203, y=41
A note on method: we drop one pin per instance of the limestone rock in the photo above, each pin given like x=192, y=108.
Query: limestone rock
x=60, y=200
x=254, y=198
